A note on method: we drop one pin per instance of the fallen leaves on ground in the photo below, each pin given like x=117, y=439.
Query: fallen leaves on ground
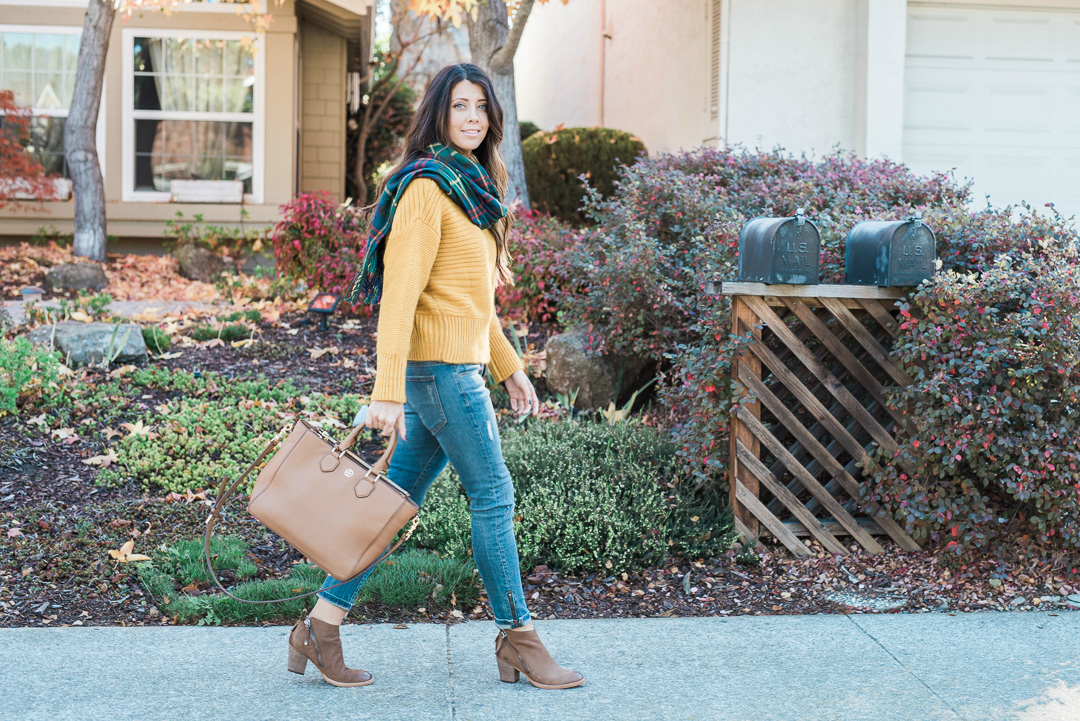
x=124, y=555
x=103, y=461
x=317, y=352
x=131, y=276
x=187, y=495
x=138, y=429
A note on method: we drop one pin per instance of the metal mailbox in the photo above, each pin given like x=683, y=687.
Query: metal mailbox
x=780, y=250
x=890, y=253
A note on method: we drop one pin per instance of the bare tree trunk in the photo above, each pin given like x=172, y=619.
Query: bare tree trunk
x=80, y=132
x=361, y=170
x=493, y=44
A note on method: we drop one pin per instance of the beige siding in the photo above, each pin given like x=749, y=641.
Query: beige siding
x=303, y=129
x=322, y=110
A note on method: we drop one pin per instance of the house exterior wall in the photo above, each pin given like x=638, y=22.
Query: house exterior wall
x=561, y=86
x=659, y=99
x=792, y=74
x=654, y=68
x=322, y=117
x=319, y=135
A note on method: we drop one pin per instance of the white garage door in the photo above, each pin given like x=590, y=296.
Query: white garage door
x=995, y=94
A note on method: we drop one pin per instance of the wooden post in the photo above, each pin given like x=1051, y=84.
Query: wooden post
x=742, y=320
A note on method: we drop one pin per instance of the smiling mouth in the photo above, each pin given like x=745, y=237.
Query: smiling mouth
x=471, y=132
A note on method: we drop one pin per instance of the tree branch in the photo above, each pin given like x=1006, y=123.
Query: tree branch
x=504, y=56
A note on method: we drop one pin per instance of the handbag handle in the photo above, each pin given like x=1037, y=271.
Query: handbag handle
x=380, y=466
x=223, y=496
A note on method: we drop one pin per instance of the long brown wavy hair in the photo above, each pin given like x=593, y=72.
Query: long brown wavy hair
x=430, y=124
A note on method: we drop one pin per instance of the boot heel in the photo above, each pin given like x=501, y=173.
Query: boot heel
x=507, y=673
x=297, y=661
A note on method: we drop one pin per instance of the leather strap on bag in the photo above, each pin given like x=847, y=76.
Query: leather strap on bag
x=378, y=467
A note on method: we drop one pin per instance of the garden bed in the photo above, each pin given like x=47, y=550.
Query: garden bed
x=56, y=569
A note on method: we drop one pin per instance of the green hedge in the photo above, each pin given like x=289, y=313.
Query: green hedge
x=554, y=160
x=591, y=497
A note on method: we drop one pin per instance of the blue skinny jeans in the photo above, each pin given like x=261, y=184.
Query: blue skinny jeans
x=449, y=418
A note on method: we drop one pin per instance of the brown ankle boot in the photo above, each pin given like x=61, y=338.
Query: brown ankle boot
x=521, y=652
x=320, y=642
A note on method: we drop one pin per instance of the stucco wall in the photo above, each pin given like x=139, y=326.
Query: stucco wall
x=792, y=74
x=557, y=65
x=656, y=71
x=322, y=110
x=654, y=65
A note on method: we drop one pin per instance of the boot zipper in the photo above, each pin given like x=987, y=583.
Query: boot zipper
x=311, y=635
x=513, y=610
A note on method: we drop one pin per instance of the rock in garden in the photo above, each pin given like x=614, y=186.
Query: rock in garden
x=571, y=366
x=197, y=263
x=1018, y=601
x=88, y=342
x=76, y=276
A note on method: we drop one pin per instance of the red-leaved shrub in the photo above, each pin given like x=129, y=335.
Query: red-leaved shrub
x=538, y=245
x=321, y=242
x=673, y=223
x=996, y=360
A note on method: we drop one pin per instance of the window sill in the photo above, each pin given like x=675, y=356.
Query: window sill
x=61, y=189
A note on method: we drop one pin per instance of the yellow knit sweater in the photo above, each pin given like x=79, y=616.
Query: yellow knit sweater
x=438, y=300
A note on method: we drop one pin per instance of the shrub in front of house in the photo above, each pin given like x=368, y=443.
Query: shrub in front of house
x=527, y=128
x=996, y=360
x=673, y=222
x=537, y=245
x=589, y=497
x=27, y=373
x=226, y=240
x=321, y=242
x=555, y=160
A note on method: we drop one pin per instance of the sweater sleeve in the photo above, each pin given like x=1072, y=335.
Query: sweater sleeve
x=409, y=255
x=504, y=359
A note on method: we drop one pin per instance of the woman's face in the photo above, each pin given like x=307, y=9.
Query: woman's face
x=468, y=116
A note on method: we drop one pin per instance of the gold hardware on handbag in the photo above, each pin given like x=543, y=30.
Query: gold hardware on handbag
x=325, y=501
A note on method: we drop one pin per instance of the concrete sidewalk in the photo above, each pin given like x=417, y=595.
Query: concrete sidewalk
x=921, y=667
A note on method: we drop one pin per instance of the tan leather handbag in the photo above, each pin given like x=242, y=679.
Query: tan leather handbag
x=325, y=501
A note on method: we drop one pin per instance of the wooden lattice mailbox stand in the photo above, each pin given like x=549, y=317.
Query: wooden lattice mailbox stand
x=816, y=369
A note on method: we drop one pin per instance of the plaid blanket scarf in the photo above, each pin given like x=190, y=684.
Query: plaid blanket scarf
x=460, y=177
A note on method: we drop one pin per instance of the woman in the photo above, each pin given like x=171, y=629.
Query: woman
x=436, y=270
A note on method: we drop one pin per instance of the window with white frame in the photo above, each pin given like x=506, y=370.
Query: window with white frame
x=38, y=66
x=191, y=111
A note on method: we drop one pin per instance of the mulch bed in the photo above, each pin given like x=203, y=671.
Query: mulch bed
x=58, y=527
